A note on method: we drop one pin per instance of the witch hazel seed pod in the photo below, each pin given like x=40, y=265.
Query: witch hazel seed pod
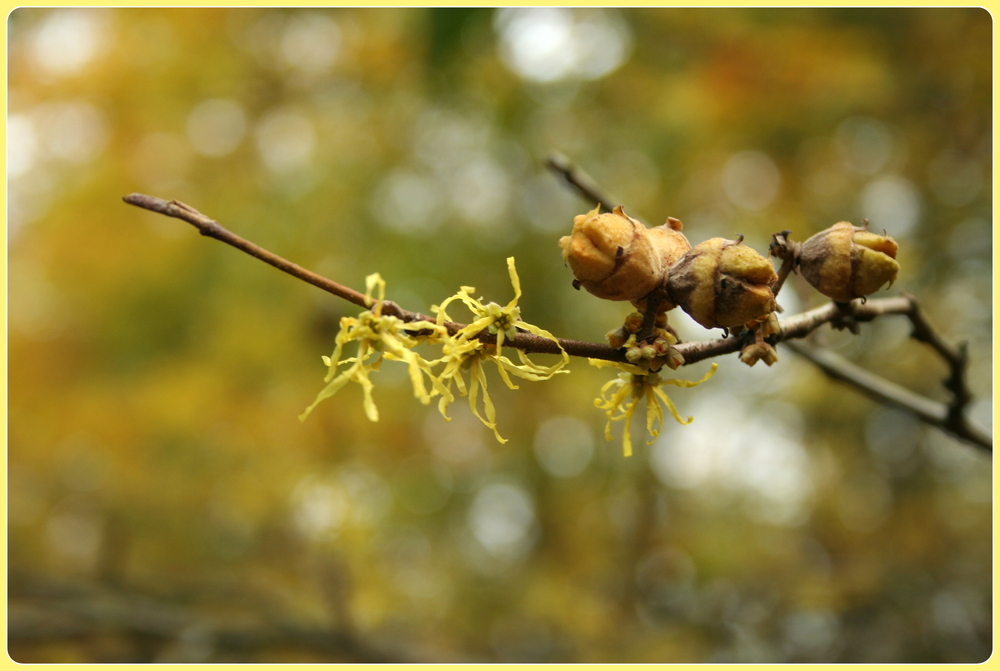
x=846, y=262
x=722, y=283
x=615, y=257
x=672, y=244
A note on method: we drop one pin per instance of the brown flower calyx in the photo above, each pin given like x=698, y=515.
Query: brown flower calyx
x=766, y=325
x=615, y=257
x=651, y=353
x=846, y=262
x=758, y=350
x=723, y=283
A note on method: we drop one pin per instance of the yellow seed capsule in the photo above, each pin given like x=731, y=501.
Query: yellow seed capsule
x=723, y=283
x=846, y=262
x=615, y=257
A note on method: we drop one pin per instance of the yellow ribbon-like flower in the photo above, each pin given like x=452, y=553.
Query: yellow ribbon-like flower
x=620, y=397
x=379, y=336
x=463, y=351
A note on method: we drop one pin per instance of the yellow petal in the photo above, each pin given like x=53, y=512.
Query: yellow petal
x=514, y=280
x=332, y=388
x=369, y=403
x=373, y=282
x=627, y=436
x=627, y=367
x=673, y=408
x=654, y=413
x=691, y=383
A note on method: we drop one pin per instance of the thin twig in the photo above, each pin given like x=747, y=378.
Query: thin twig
x=212, y=229
x=934, y=413
x=788, y=251
x=957, y=357
x=798, y=326
x=583, y=183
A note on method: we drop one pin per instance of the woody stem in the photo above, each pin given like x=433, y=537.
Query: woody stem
x=798, y=326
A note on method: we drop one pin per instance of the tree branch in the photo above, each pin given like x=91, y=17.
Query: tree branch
x=889, y=393
x=212, y=229
x=581, y=182
x=840, y=315
x=950, y=417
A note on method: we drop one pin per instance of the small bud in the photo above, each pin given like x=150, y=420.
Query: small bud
x=758, y=351
x=768, y=324
x=648, y=352
x=664, y=334
x=674, y=359
x=617, y=337
x=633, y=354
x=633, y=322
x=662, y=346
x=846, y=262
x=723, y=283
x=615, y=257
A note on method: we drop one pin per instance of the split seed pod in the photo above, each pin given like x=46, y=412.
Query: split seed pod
x=846, y=262
x=723, y=283
x=615, y=257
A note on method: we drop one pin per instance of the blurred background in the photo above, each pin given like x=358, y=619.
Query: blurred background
x=166, y=504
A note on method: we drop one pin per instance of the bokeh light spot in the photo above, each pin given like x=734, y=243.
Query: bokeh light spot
x=407, y=202
x=955, y=179
x=501, y=518
x=751, y=179
x=74, y=130
x=891, y=203
x=865, y=144
x=553, y=43
x=67, y=40
x=564, y=446
x=286, y=140
x=310, y=43
x=22, y=144
x=216, y=127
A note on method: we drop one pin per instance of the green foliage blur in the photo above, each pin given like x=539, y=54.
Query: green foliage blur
x=155, y=377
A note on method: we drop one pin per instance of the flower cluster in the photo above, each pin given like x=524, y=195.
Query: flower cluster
x=465, y=352
x=382, y=337
x=379, y=337
x=621, y=396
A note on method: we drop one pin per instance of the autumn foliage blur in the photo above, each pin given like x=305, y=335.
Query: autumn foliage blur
x=164, y=501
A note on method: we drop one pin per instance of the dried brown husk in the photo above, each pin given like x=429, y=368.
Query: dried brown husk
x=723, y=283
x=846, y=262
x=615, y=257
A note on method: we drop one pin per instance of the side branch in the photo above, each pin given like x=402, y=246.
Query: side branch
x=888, y=393
x=581, y=182
x=212, y=229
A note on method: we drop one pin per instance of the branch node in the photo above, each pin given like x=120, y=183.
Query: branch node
x=845, y=318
